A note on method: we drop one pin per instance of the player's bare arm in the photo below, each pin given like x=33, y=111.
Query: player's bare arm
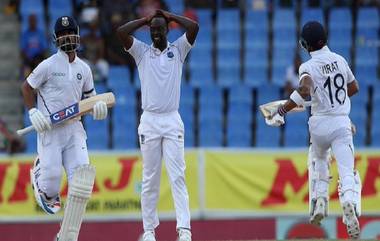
x=297, y=98
x=29, y=95
x=189, y=25
x=125, y=31
x=352, y=88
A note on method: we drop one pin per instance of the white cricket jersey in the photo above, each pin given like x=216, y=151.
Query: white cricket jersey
x=160, y=73
x=330, y=74
x=60, y=83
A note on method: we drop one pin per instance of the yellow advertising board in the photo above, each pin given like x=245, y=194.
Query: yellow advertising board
x=116, y=191
x=265, y=182
x=221, y=181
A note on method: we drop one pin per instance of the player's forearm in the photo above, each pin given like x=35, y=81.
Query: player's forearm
x=288, y=106
x=189, y=25
x=29, y=95
x=124, y=31
x=352, y=88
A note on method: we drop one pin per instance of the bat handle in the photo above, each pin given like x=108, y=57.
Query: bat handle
x=25, y=130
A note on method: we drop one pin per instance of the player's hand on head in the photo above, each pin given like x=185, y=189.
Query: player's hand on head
x=100, y=110
x=165, y=14
x=39, y=121
x=150, y=17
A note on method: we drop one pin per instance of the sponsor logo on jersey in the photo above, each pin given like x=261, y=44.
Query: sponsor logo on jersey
x=58, y=74
x=79, y=76
x=64, y=114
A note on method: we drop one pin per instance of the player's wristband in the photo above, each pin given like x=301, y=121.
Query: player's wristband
x=297, y=98
x=281, y=110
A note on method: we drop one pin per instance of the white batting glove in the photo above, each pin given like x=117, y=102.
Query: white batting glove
x=276, y=120
x=39, y=121
x=100, y=110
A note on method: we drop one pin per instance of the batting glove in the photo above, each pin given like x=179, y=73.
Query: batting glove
x=276, y=120
x=100, y=110
x=39, y=121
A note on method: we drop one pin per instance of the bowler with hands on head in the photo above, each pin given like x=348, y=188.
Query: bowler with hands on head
x=161, y=130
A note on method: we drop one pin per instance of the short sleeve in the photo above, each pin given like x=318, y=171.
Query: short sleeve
x=137, y=50
x=183, y=46
x=350, y=75
x=88, y=86
x=303, y=71
x=39, y=75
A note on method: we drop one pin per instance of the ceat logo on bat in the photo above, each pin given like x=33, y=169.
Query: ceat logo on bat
x=64, y=114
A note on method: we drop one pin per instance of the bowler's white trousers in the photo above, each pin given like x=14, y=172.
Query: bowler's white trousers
x=161, y=136
x=334, y=132
x=64, y=145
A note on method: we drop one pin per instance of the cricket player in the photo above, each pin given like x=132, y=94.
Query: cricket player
x=329, y=81
x=58, y=82
x=161, y=130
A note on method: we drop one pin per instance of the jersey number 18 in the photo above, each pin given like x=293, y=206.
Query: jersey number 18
x=336, y=89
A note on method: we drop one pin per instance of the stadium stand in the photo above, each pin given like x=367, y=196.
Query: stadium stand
x=240, y=51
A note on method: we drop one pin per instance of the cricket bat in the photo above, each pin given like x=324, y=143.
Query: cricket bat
x=268, y=108
x=78, y=109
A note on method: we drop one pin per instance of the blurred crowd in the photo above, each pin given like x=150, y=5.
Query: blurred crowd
x=98, y=22
x=101, y=48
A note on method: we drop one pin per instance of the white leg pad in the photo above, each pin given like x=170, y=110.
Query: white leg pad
x=80, y=190
x=352, y=193
x=318, y=182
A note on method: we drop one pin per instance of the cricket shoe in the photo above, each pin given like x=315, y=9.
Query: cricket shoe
x=49, y=205
x=320, y=211
x=149, y=236
x=184, y=234
x=351, y=220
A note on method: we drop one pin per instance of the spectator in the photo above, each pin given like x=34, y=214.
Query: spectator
x=33, y=45
x=146, y=8
x=12, y=143
x=113, y=46
x=291, y=81
x=93, y=52
x=120, y=7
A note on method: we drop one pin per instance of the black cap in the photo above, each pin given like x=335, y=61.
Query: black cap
x=313, y=35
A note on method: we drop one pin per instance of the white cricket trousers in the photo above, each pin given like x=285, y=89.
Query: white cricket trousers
x=161, y=136
x=335, y=132
x=64, y=145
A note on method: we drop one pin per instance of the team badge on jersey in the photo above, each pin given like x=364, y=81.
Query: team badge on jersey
x=79, y=76
x=170, y=54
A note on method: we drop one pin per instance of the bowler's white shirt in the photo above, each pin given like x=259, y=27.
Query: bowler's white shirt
x=160, y=73
x=60, y=83
x=330, y=74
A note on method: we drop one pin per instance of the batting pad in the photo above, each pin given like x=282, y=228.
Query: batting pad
x=80, y=190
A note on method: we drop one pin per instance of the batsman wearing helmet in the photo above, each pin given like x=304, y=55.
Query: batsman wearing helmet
x=329, y=81
x=58, y=82
x=161, y=129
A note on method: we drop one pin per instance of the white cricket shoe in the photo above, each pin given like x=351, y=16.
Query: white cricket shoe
x=351, y=220
x=184, y=234
x=320, y=211
x=148, y=236
x=49, y=205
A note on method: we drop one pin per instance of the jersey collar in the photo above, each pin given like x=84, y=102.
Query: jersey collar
x=157, y=51
x=63, y=55
x=320, y=51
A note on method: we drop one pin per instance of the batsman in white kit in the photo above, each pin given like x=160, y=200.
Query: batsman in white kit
x=161, y=130
x=58, y=82
x=329, y=81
